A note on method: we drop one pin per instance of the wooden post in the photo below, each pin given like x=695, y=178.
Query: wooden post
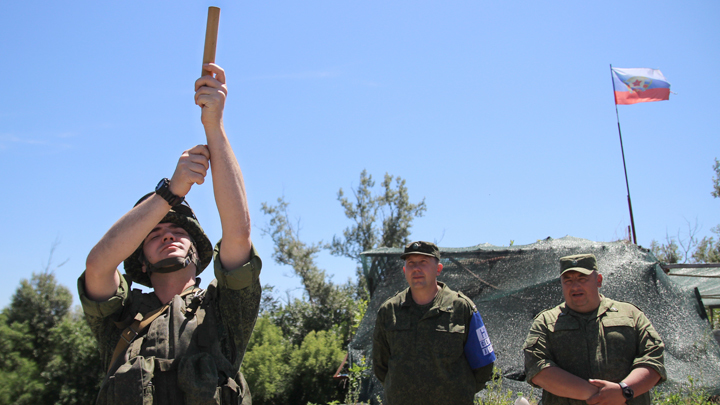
x=211, y=35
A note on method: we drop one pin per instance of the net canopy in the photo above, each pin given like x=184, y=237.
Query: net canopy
x=706, y=280
x=510, y=285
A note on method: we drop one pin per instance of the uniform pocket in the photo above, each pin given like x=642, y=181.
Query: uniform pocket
x=132, y=383
x=198, y=379
x=449, y=345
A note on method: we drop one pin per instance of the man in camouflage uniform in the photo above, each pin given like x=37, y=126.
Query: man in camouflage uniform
x=592, y=349
x=420, y=338
x=179, y=344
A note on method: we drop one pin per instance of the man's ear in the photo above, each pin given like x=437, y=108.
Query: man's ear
x=403, y=269
x=439, y=268
x=599, y=280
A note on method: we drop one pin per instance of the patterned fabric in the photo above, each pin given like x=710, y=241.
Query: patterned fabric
x=418, y=350
x=605, y=344
x=189, y=355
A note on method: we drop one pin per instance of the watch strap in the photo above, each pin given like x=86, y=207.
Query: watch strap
x=163, y=190
x=627, y=392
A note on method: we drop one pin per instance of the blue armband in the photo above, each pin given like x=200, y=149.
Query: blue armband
x=478, y=349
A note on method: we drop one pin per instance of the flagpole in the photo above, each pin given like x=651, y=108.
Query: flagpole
x=627, y=184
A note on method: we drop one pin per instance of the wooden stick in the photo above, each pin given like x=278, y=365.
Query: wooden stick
x=211, y=35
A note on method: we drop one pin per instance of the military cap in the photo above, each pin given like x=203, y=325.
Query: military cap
x=583, y=263
x=421, y=248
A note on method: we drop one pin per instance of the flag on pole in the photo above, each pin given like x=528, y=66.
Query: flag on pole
x=639, y=85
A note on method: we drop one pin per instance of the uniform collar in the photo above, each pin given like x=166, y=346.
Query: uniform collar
x=442, y=301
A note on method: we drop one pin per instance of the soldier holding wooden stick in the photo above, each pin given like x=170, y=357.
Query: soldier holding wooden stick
x=179, y=344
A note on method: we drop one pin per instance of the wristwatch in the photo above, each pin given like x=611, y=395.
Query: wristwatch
x=163, y=190
x=627, y=392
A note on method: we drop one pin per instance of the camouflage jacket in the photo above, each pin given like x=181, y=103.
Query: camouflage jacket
x=605, y=345
x=418, y=351
x=189, y=355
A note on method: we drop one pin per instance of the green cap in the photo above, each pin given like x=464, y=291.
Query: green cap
x=421, y=248
x=584, y=263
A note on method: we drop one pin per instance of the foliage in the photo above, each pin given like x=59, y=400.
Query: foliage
x=265, y=365
x=356, y=374
x=716, y=180
x=313, y=331
x=73, y=373
x=313, y=365
x=397, y=214
x=325, y=305
x=20, y=374
x=668, y=252
x=708, y=250
x=685, y=394
x=47, y=352
x=494, y=394
x=391, y=206
x=279, y=372
x=40, y=303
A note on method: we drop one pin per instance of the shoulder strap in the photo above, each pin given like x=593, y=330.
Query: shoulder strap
x=139, y=324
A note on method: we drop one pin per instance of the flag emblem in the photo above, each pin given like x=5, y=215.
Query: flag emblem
x=639, y=85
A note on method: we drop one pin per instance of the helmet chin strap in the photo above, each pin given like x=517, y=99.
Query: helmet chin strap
x=172, y=264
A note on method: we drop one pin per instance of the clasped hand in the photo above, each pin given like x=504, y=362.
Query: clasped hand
x=609, y=393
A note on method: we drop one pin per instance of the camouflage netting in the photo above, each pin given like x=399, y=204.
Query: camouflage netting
x=510, y=285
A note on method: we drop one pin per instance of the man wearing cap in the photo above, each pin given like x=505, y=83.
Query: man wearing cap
x=592, y=349
x=430, y=345
x=179, y=344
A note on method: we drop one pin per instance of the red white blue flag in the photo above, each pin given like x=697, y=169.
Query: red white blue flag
x=639, y=85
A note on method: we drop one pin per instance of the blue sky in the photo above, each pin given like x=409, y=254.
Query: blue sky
x=499, y=114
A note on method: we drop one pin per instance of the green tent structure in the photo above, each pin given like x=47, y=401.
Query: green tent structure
x=510, y=285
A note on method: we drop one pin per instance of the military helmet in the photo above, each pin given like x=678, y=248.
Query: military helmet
x=183, y=216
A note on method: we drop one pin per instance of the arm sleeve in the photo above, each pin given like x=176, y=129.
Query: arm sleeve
x=381, y=349
x=239, y=294
x=537, y=350
x=650, y=347
x=482, y=376
x=101, y=317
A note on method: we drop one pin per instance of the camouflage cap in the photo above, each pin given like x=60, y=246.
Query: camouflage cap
x=183, y=216
x=421, y=248
x=583, y=263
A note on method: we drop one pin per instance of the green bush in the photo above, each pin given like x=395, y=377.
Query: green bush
x=266, y=365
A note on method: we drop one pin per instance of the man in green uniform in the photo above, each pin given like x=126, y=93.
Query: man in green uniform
x=179, y=344
x=429, y=344
x=592, y=349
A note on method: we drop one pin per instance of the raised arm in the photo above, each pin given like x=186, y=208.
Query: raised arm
x=129, y=232
x=228, y=184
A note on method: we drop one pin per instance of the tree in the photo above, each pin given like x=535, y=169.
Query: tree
x=667, y=252
x=47, y=353
x=73, y=373
x=19, y=373
x=708, y=250
x=395, y=212
x=40, y=303
x=316, y=328
x=266, y=365
x=313, y=365
x=716, y=180
x=394, y=207
x=326, y=304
